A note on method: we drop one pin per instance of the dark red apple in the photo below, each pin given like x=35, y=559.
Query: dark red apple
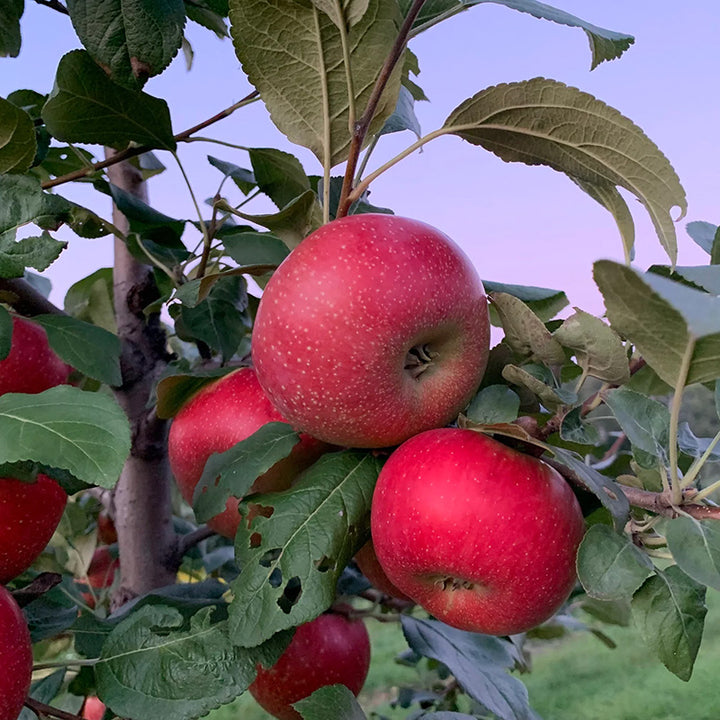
x=329, y=650
x=216, y=418
x=15, y=657
x=481, y=535
x=107, y=532
x=373, y=329
x=93, y=708
x=370, y=567
x=29, y=514
x=101, y=572
x=31, y=366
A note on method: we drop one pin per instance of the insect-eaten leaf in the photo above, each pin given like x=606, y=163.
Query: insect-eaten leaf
x=292, y=546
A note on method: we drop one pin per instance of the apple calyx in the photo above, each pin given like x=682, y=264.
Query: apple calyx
x=419, y=359
x=452, y=584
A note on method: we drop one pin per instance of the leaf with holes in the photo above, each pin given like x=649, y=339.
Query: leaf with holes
x=294, y=545
x=609, y=566
x=299, y=68
x=150, y=661
x=669, y=610
x=544, y=122
x=234, y=471
x=695, y=545
x=85, y=433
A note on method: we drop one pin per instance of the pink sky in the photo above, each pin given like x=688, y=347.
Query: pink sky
x=518, y=224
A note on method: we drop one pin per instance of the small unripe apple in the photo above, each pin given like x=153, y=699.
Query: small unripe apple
x=29, y=515
x=329, y=650
x=93, y=708
x=15, y=657
x=481, y=535
x=31, y=366
x=370, y=567
x=217, y=417
x=373, y=329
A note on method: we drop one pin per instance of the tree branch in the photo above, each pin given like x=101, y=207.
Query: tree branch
x=189, y=541
x=363, y=124
x=22, y=296
x=43, y=710
x=132, y=152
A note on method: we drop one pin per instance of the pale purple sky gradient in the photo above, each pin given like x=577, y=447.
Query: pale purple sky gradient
x=518, y=224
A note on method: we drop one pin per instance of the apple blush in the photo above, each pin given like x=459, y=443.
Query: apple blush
x=372, y=330
x=480, y=535
x=15, y=657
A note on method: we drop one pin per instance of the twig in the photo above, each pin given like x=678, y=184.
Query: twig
x=132, y=152
x=42, y=709
x=25, y=299
x=363, y=124
x=189, y=541
x=43, y=583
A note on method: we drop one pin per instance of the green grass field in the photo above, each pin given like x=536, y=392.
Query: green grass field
x=574, y=679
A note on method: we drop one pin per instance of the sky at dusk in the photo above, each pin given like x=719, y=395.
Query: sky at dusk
x=519, y=224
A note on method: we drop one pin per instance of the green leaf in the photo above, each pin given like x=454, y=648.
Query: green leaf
x=695, y=545
x=93, y=351
x=232, y=473
x=278, y=174
x=36, y=252
x=299, y=68
x=292, y=560
x=544, y=302
x=494, y=404
x=332, y=702
x=345, y=14
x=6, y=328
x=544, y=122
x=404, y=117
x=574, y=429
x=17, y=138
x=22, y=202
x=597, y=347
x=605, y=489
x=293, y=223
x=155, y=664
x=254, y=248
x=608, y=196
x=243, y=178
x=549, y=395
x=478, y=662
x=131, y=39
x=85, y=433
x=669, y=610
x=705, y=277
x=609, y=566
x=703, y=233
x=143, y=217
x=219, y=320
x=525, y=333
x=604, y=44
x=176, y=387
x=91, y=300
x=660, y=317
x=10, y=38
x=86, y=106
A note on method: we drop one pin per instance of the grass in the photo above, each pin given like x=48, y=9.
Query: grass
x=578, y=678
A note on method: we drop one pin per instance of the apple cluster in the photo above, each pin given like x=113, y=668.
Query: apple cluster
x=374, y=333
x=29, y=511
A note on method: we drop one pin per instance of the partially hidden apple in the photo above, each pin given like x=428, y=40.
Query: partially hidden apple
x=217, y=417
x=480, y=535
x=101, y=571
x=15, y=657
x=93, y=708
x=372, y=330
x=29, y=515
x=31, y=366
x=330, y=650
x=370, y=567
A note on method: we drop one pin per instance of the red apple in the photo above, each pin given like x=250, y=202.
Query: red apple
x=101, y=572
x=481, y=535
x=15, y=657
x=93, y=708
x=107, y=532
x=29, y=514
x=220, y=415
x=31, y=366
x=372, y=330
x=329, y=650
x=370, y=567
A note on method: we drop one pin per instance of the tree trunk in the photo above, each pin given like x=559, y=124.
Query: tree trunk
x=146, y=538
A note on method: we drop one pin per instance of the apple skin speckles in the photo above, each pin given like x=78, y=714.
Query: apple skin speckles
x=373, y=329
